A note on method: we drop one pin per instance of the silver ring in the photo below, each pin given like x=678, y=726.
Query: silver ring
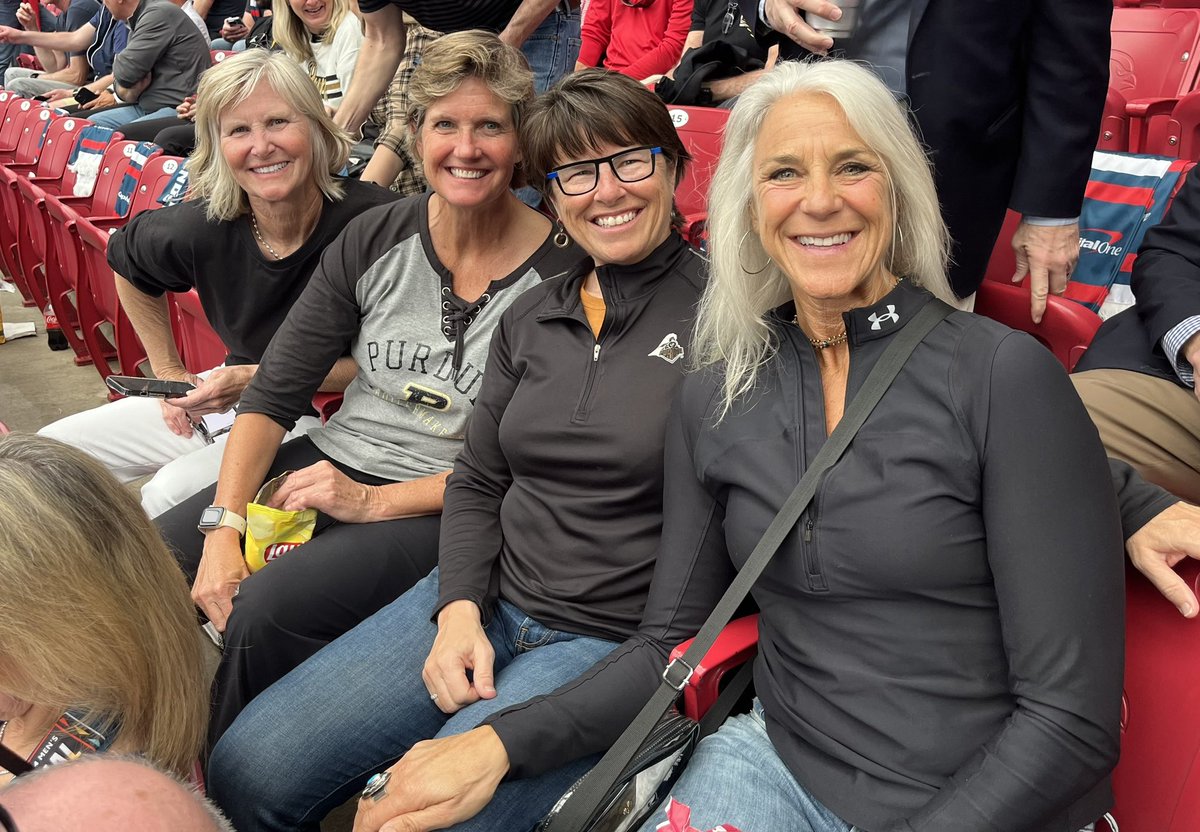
x=433, y=697
x=376, y=788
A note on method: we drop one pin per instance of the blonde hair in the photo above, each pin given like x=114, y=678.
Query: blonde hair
x=731, y=325
x=452, y=59
x=94, y=611
x=293, y=37
x=232, y=82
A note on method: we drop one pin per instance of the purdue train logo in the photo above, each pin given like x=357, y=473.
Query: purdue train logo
x=668, y=349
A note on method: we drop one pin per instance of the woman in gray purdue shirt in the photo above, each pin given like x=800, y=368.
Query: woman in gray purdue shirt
x=413, y=291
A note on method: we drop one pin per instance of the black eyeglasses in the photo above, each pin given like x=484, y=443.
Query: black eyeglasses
x=579, y=178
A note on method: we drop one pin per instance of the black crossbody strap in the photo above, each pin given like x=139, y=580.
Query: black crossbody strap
x=592, y=789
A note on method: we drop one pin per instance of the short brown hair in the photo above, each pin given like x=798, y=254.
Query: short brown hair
x=593, y=107
x=452, y=59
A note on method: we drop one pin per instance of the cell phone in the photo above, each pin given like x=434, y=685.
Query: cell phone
x=138, y=386
x=83, y=95
x=233, y=21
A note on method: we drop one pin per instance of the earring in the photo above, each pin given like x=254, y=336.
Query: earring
x=560, y=237
x=741, y=245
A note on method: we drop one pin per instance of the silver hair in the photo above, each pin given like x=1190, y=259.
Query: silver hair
x=731, y=327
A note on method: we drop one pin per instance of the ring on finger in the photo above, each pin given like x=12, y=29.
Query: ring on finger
x=433, y=697
x=376, y=788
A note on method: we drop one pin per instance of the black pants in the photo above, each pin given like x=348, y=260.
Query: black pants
x=176, y=136
x=300, y=602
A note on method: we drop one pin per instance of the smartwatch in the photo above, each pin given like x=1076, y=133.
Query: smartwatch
x=214, y=517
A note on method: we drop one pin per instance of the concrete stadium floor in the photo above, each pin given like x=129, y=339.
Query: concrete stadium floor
x=38, y=386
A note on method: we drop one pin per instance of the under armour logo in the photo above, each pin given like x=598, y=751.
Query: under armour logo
x=877, y=320
x=668, y=349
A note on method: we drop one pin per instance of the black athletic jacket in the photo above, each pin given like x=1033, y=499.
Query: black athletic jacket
x=555, y=502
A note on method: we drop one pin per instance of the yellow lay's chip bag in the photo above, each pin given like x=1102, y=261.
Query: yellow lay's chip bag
x=271, y=532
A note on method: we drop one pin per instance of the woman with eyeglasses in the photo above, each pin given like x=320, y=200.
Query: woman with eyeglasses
x=638, y=38
x=553, y=510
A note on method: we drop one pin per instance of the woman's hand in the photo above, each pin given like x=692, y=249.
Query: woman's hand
x=461, y=646
x=437, y=784
x=329, y=491
x=177, y=419
x=222, y=570
x=218, y=392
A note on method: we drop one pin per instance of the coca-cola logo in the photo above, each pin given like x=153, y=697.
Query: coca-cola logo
x=276, y=549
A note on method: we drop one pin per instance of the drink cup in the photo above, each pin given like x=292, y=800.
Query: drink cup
x=843, y=28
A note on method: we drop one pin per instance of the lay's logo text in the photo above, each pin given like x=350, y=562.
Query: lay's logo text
x=276, y=549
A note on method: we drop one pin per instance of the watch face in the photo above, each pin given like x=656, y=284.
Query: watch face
x=211, y=516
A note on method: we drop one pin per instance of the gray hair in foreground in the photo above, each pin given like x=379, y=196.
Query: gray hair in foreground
x=232, y=82
x=731, y=327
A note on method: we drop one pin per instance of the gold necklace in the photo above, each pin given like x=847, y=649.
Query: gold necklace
x=261, y=240
x=821, y=343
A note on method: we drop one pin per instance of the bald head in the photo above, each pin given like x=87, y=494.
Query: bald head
x=101, y=793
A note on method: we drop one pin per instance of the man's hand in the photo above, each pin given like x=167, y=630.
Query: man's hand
x=328, y=490
x=1048, y=254
x=437, y=784
x=187, y=109
x=218, y=392
x=104, y=99
x=10, y=35
x=1155, y=549
x=461, y=647
x=787, y=17
x=222, y=570
x=26, y=17
x=59, y=95
x=1191, y=353
x=234, y=33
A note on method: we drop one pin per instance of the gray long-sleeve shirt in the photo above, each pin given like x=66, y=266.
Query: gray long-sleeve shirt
x=165, y=44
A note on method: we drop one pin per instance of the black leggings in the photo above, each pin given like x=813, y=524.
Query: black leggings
x=305, y=599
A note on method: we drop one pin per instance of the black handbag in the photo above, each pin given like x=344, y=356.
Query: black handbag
x=595, y=803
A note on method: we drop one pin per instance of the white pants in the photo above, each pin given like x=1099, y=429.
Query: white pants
x=131, y=439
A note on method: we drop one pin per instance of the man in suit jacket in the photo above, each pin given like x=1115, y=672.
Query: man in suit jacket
x=1138, y=377
x=1008, y=97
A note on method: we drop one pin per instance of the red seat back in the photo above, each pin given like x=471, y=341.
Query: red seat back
x=19, y=110
x=156, y=175
x=1154, y=52
x=702, y=130
x=1157, y=781
x=1066, y=328
x=56, y=149
x=33, y=134
x=199, y=345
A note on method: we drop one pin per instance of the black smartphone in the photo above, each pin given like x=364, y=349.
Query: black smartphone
x=83, y=95
x=233, y=21
x=138, y=386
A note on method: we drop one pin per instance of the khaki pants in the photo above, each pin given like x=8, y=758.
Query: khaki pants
x=1149, y=422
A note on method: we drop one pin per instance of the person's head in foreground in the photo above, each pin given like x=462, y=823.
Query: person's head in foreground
x=263, y=138
x=95, y=613
x=840, y=204
x=602, y=149
x=105, y=793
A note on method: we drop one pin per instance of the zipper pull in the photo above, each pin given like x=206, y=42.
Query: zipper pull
x=808, y=527
x=596, y=353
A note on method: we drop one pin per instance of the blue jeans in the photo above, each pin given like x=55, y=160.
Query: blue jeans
x=553, y=47
x=8, y=17
x=736, y=778
x=311, y=741
x=128, y=114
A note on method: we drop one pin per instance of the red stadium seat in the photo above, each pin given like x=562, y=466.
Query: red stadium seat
x=737, y=644
x=702, y=130
x=219, y=55
x=1066, y=329
x=98, y=305
x=20, y=180
x=35, y=123
x=1154, y=60
x=199, y=346
x=1157, y=782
